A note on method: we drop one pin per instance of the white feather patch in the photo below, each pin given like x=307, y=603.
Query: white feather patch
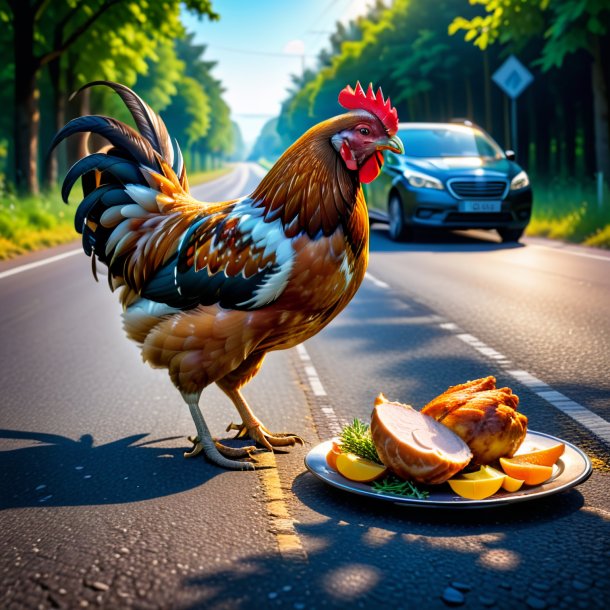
x=145, y=307
x=143, y=196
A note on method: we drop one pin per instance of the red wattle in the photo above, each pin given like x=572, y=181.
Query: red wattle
x=348, y=156
x=371, y=168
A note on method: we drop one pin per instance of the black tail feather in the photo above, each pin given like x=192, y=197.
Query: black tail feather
x=150, y=125
x=117, y=133
x=123, y=170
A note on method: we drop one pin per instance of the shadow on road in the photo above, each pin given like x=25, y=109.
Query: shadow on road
x=59, y=471
x=440, y=241
x=368, y=554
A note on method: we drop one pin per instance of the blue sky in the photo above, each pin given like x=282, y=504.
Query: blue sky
x=259, y=43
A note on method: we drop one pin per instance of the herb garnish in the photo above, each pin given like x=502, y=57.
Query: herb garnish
x=356, y=438
x=399, y=487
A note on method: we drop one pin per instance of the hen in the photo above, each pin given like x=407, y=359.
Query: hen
x=209, y=288
x=483, y=416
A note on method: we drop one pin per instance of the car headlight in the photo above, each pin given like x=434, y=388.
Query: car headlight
x=520, y=181
x=422, y=181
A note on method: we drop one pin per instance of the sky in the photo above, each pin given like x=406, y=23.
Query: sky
x=258, y=44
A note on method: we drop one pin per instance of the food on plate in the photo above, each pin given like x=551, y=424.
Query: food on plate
x=415, y=446
x=508, y=483
x=530, y=474
x=544, y=457
x=477, y=485
x=331, y=456
x=356, y=468
x=483, y=416
x=470, y=425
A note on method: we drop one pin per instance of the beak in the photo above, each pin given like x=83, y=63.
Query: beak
x=394, y=144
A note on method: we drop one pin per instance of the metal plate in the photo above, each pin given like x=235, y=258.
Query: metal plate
x=480, y=206
x=572, y=468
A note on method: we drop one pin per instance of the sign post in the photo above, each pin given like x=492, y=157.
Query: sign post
x=513, y=78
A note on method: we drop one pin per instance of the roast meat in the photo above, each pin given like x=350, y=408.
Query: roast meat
x=483, y=416
x=415, y=446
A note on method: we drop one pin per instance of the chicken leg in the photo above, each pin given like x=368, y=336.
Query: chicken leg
x=213, y=450
x=252, y=426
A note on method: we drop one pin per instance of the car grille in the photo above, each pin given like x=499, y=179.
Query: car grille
x=477, y=189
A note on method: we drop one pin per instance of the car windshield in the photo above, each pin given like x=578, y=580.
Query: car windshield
x=445, y=141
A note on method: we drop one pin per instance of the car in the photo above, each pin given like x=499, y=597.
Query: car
x=452, y=176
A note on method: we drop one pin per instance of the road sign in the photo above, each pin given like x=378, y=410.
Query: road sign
x=512, y=77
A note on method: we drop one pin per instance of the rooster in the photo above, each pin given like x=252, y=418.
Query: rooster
x=208, y=289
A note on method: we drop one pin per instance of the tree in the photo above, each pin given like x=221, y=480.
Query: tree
x=269, y=144
x=42, y=32
x=568, y=27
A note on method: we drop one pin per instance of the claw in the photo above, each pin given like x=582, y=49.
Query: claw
x=196, y=449
x=232, y=453
x=264, y=437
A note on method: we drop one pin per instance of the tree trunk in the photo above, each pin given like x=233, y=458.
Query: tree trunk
x=569, y=126
x=76, y=145
x=469, y=101
x=601, y=102
x=27, y=114
x=58, y=119
x=487, y=93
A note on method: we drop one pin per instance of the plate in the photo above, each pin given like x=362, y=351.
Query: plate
x=572, y=468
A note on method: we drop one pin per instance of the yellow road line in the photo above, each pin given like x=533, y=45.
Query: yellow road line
x=282, y=524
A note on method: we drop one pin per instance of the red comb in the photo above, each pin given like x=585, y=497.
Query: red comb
x=355, y=99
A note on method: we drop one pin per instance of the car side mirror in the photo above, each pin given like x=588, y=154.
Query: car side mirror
x=510, y=155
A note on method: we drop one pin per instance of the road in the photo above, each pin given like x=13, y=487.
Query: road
x=99, y=509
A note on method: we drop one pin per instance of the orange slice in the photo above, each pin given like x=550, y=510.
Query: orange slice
x=331, y=456
x=476, y=488
x=358, y=469
x=530, y=474
x=509, y=484
x=542, y=457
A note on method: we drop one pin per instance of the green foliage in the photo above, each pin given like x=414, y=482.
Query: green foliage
x=568, y=209
x=567, y=26
x=188, y=116
x=33, y=222
x=404, y=45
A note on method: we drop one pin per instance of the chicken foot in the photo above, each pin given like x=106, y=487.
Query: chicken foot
x=252, y=427
x=214, y=451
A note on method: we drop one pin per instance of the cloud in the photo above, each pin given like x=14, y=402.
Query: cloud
x=294, y=47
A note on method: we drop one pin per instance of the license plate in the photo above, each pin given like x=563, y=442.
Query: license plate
x=480, y=206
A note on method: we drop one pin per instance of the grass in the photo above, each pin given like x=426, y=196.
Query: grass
x=33, y=223
x=569, y=211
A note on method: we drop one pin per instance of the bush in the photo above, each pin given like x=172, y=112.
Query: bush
x=568, y=210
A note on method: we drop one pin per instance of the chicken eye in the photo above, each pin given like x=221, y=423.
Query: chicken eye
x=364, y=131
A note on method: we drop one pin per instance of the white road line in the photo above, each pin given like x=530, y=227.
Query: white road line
x=586, y=418
x=379, y=283
x=40, y=263
x=565, y=250
x=332, y=421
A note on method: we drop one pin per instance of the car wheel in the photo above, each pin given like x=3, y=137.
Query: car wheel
x=397, y=228
x=510, y=235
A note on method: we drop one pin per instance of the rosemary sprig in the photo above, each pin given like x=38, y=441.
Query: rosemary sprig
x=356, y=438
x=399, y=487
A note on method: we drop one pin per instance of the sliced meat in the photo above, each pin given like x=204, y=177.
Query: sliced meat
x=415, y=446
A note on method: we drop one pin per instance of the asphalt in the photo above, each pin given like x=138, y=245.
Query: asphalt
x=98, y=508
